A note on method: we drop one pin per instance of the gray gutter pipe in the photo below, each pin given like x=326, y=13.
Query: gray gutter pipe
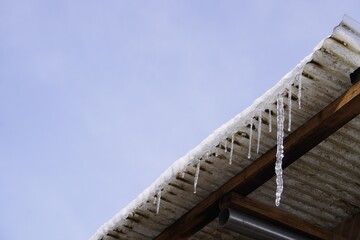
x=254, y=227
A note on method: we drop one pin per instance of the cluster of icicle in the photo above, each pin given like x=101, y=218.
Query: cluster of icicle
x=280, y=120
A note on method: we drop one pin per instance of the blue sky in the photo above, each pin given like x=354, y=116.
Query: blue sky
x=98, y=98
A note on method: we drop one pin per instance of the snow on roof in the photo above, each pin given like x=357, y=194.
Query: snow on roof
x=348, y=32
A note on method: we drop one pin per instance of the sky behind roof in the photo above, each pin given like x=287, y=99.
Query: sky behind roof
x=98, y=98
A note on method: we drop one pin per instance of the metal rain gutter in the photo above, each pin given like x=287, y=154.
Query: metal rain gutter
x=254, y=227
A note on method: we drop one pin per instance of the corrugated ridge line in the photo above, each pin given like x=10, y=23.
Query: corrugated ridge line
x=296, y=201
x=297, y=184
x=306, y=179
x=345, y=188
x=289, y=206
x=327, y=199
x=214, y=231
x=317, y=175
x=307, y=195
x=333, y=167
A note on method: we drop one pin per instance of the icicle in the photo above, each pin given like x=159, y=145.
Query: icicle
x=225, y=145
x=280, y=148
x=250, y=137
x=289, y=105
x=259, y=133
x=270, y=117
x=158, y=200
x=196, y=178
x=183, y=174
x=232, y=149
x=155, y=199
x=299, y=90
x=183, y=171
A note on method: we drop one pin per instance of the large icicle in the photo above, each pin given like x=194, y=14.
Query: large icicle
x=289, y=105
x=299, y=90
x=196, y=178
x=158, y=200
x=250, y=137
x=280, y=148
x=270, y=118
x=232, y=148
x=259, y=133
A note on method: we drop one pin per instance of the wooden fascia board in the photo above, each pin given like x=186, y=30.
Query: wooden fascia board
x=349, y=228
x=296, y=144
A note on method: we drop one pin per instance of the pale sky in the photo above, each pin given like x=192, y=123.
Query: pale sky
x=98, y=98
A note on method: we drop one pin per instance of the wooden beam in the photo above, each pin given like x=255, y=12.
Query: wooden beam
x=274, y=214
x=350, y=228
x=303, y=139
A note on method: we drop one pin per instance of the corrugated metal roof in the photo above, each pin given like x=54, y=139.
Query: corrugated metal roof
x=322, y=187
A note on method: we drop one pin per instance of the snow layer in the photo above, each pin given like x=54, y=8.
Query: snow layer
x=212, y=140
x=204, y=147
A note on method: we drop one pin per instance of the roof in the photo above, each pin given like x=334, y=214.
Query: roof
x=321, y=185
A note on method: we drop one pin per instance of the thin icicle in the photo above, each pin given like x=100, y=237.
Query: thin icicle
x=270, y=117
x=280, y=148
x=259, y=133
x=158, y=200
x=155, y=200
x=250, y=137
x=225, y=145
x=289, y=105
x=183, y=174
x=299, y=90
x=232, y=149
x=196, y=178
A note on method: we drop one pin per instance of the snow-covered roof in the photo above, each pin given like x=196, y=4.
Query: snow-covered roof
x=315, y=189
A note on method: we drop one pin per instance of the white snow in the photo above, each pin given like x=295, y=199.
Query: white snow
x=225, y=130
x=215, y=138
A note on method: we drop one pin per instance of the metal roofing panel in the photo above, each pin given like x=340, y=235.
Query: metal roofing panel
x=322, y=187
